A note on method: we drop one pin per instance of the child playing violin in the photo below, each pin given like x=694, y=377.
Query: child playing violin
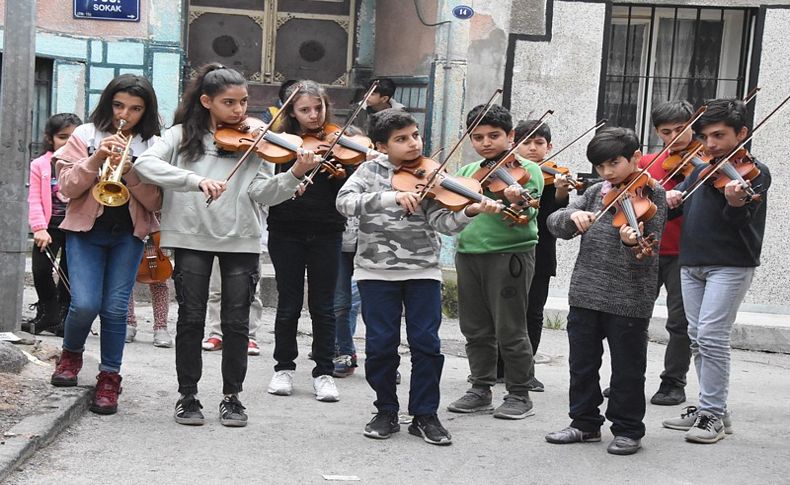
x=186, y=163
x=611, y=296
x=305, y=234
x=669, y=119
x=720, y=246
x=495, y=264
x=397, y=267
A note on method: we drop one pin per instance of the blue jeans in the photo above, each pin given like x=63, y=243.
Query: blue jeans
x=291, y=254
x=711, y=297
x=347, y=303
x=382, y=307
x=102, y=269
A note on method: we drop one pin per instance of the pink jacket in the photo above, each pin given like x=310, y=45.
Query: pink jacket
x=39, y=199
x=76, y=180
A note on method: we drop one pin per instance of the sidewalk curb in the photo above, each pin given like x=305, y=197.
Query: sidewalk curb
x=39, y=429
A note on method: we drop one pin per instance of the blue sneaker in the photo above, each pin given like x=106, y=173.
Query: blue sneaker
x=344, y=365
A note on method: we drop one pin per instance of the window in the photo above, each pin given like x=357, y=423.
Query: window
x=42, y=101
x=658, y=54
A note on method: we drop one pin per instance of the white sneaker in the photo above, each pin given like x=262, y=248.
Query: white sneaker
x=282, y=383
x=325, y=389
x=162, y=338
x=131, y=333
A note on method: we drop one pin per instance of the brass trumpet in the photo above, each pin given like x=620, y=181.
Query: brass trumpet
x=110, y=191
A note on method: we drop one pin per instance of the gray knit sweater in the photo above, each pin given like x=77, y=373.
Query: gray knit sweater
x=607, y=276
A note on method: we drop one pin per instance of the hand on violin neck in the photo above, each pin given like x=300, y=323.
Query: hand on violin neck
x=674, y=198
x=409, y=201
x=629, y=235
x=306, y=161
x=485, y=206
x=735, y=194
x=583, y=220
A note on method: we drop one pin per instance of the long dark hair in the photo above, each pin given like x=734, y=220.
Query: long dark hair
x=54, y=125
x=149, y=125
x=211, y=80
x=309, y=88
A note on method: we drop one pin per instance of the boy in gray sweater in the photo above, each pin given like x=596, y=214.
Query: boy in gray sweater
x=611, y=296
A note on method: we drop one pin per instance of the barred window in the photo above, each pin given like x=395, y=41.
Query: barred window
x=658, y=54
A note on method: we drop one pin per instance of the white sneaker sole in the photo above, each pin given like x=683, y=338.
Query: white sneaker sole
x=327, y=398
x=280, y=392
x=515, y=416
x=707, y=441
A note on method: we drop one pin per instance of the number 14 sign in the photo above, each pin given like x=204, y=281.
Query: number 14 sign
x=126, y=10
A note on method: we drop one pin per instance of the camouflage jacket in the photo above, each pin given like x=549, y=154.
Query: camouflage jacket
x=389, y=247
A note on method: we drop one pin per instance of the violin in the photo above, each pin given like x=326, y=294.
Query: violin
x=274, y=147
x=550, y=170
x=634, y=206
x=509, y=173
x=685, y=161
x=155, y=266
x=452, y=192
x=741, y=167
x=349, y=149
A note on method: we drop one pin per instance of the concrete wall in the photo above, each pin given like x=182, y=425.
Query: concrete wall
x=87, y=54
x=404, y=47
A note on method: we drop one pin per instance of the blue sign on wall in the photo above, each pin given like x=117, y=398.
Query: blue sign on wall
x=127, y=10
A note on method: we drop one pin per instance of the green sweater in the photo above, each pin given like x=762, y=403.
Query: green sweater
x=489, y=233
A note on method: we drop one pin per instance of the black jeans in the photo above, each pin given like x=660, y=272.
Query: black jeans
x=291, y=254
x=677, y=357
x=627, y=338
x=42, y=270
x=191, y=275
x=538, y=294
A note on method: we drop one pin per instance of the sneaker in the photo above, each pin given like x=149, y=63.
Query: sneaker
x=252, y=348
x=535, y=385
x=573, y=435
x=344, y=365
x=383, y=424
x=623, y=445
x=188, y=411
x=162, y=338
x=476, y=399
x=212, y=343
x=69, y=365
x=668, y=396
x=105, y=396
x=514, y=407
x=231, y=412
x=282, y=383
x=708, y=428
x=689, y=416
x=325, y=389
x=131, y=333
x=430, y=429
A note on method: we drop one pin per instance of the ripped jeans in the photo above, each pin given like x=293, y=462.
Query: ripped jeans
x=239, y=272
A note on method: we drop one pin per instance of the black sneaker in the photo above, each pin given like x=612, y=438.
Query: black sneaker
x=535, y=385
x=188, y=411
x=383, y=424
x=430, y=429
x=231, y=412
x=668, y=396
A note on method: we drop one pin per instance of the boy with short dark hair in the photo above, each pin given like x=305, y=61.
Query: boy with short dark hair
x=611, y=297
x=397, y=267
x=720, y=248
x=494, y=263
x=669, y=119
x=382, y=97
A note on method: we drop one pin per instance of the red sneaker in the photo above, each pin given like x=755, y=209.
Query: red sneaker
x=252, y=348
x=212, y=343
x=105, y=397
x=69, y=365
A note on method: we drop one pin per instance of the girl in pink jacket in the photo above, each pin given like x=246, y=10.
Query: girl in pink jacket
x=47, y=208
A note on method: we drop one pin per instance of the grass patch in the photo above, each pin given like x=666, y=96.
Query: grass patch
x=554, y=321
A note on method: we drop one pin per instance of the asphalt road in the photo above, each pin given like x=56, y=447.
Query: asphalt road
x=297, y=439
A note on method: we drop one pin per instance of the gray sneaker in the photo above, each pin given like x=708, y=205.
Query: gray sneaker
x=162, y=338
x=514, y=407
x=476, y=399
x=708, y=428
x=689, y=416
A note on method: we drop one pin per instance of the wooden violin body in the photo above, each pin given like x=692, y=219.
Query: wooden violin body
x=685, y=161
x=550, y=169
x=155, y=266
x=634, y=206
x=740, y=167
x=275, y=147
x=511, y=172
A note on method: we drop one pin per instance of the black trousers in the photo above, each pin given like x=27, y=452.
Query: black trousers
x=677, y=357
x=240, y=274
x=45, y=286
x=627, y=339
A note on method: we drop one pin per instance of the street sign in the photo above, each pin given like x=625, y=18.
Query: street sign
x=463, y=12
x=125, y=10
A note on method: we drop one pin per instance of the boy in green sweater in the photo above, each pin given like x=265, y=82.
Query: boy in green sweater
x=495, y=263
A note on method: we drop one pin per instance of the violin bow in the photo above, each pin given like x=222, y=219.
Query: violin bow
x=663, y=152
x=698, y=183
x=434, y=176
x=541, y=122
x=259, y=138
x=597, y=125
x=61, y=274
x=691, y=155
x=309, y=178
